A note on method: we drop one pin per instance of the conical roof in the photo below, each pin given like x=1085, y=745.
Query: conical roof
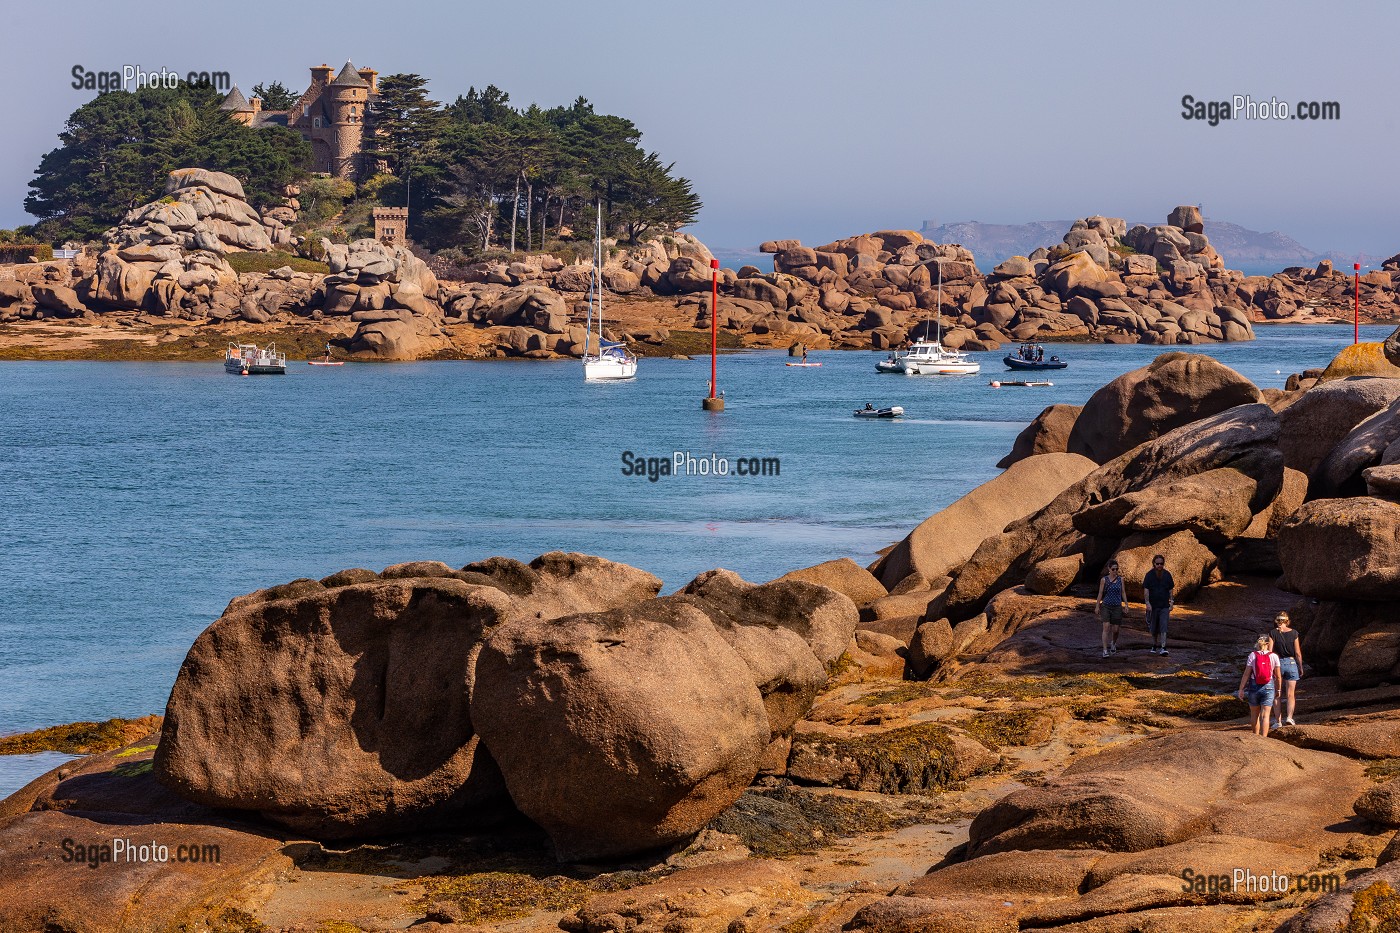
x=349, y=77
x=236, y=102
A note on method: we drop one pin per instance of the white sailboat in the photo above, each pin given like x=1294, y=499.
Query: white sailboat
x=611, y=361
x=931, y=358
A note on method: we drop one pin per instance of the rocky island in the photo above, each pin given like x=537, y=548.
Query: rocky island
x=165, y=286
x=930, y=743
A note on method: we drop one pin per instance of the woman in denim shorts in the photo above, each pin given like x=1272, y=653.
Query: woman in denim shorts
x=1289, y=648
x=1109, y=605
x=1259, y=684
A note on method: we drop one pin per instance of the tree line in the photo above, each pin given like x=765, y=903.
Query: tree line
x=483, y=174
x=478, y=174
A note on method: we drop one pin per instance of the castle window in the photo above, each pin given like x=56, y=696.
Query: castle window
x=316, y=123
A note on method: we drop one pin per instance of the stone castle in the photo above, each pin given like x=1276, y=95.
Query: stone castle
x=330, y=115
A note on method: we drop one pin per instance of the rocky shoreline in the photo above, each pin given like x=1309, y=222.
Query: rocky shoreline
x=930, y=743
x=169, y=267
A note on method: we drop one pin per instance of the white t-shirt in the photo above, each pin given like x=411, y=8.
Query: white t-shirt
x=1273, y=667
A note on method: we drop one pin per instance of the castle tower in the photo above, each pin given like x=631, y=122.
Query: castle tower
x=348, y=96
x=239, y=108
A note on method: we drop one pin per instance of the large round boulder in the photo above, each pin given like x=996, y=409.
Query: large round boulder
x=1343, y=549
x=1326, y=413
x=338, y=710
x=622, y=731
x=1173, y=390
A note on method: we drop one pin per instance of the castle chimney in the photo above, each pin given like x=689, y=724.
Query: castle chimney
x=371, y=77
x=257, y=104
x=321, y=73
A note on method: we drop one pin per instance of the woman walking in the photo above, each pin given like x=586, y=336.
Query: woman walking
x=1258, y=684
x=1109, y=606
x=1289, y=648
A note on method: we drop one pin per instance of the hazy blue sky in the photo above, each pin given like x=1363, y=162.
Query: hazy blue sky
x=819, y=119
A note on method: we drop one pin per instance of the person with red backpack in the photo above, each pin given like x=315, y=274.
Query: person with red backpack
x=1259, y=684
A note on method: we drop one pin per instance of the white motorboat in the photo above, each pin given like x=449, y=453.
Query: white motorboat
x=931, y=358
x=893, y=411
x=889, y=364
x=610, y=361
x=247, y=359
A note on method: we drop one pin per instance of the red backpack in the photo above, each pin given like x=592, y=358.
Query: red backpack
x=1263, y=667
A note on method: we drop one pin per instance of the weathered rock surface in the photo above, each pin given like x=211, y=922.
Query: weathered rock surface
x=949, y=537
x=1170, y=789
x=338, y=711
x=643, y=724
x=1343, y=549
x=1173, y=390
x=1048, y=433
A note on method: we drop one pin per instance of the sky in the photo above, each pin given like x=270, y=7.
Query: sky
x=815, y=120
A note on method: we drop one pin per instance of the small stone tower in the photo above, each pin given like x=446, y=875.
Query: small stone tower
x=391, y=225
x=349, y=95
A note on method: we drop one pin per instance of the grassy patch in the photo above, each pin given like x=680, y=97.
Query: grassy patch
x=266, y=262
x=1015, y=728
x=688, y=342
x=840, y=666
x=1051, y=685
x=1208, y=707
x=1384, y=769
x=792, y=820
x=80, y=738
x=904, y=693
x=494, y=897
x=917, y=759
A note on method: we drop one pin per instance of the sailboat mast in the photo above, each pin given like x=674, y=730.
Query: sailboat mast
x=940, y=301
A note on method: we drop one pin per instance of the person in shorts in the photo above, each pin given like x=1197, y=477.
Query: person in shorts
x=1109, y=606
x=1289, y=648
x=1158, y=592
x=1259, y=684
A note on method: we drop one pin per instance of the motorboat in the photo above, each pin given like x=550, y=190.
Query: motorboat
x=1028, y=357
x=326, y=361
x=610, y=362
x=929, y=357
x=247, y=359
x=1020, y=383
x=889, y=364
x=893, y=411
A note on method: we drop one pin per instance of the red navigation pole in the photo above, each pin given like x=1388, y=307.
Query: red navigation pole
x=1356, y=333
x=713, y=402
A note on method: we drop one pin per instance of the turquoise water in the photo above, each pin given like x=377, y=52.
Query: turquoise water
x=137, y=499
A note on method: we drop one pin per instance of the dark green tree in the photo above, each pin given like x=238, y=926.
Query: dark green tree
x=275, y=96
x=405, y=132
x=116, y=151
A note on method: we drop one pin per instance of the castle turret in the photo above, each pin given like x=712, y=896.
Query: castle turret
x=349, y=93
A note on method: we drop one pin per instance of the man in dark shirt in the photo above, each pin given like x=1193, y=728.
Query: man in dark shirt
x=1158, y=592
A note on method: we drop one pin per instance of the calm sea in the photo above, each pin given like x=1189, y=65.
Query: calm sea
x=137, y=499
